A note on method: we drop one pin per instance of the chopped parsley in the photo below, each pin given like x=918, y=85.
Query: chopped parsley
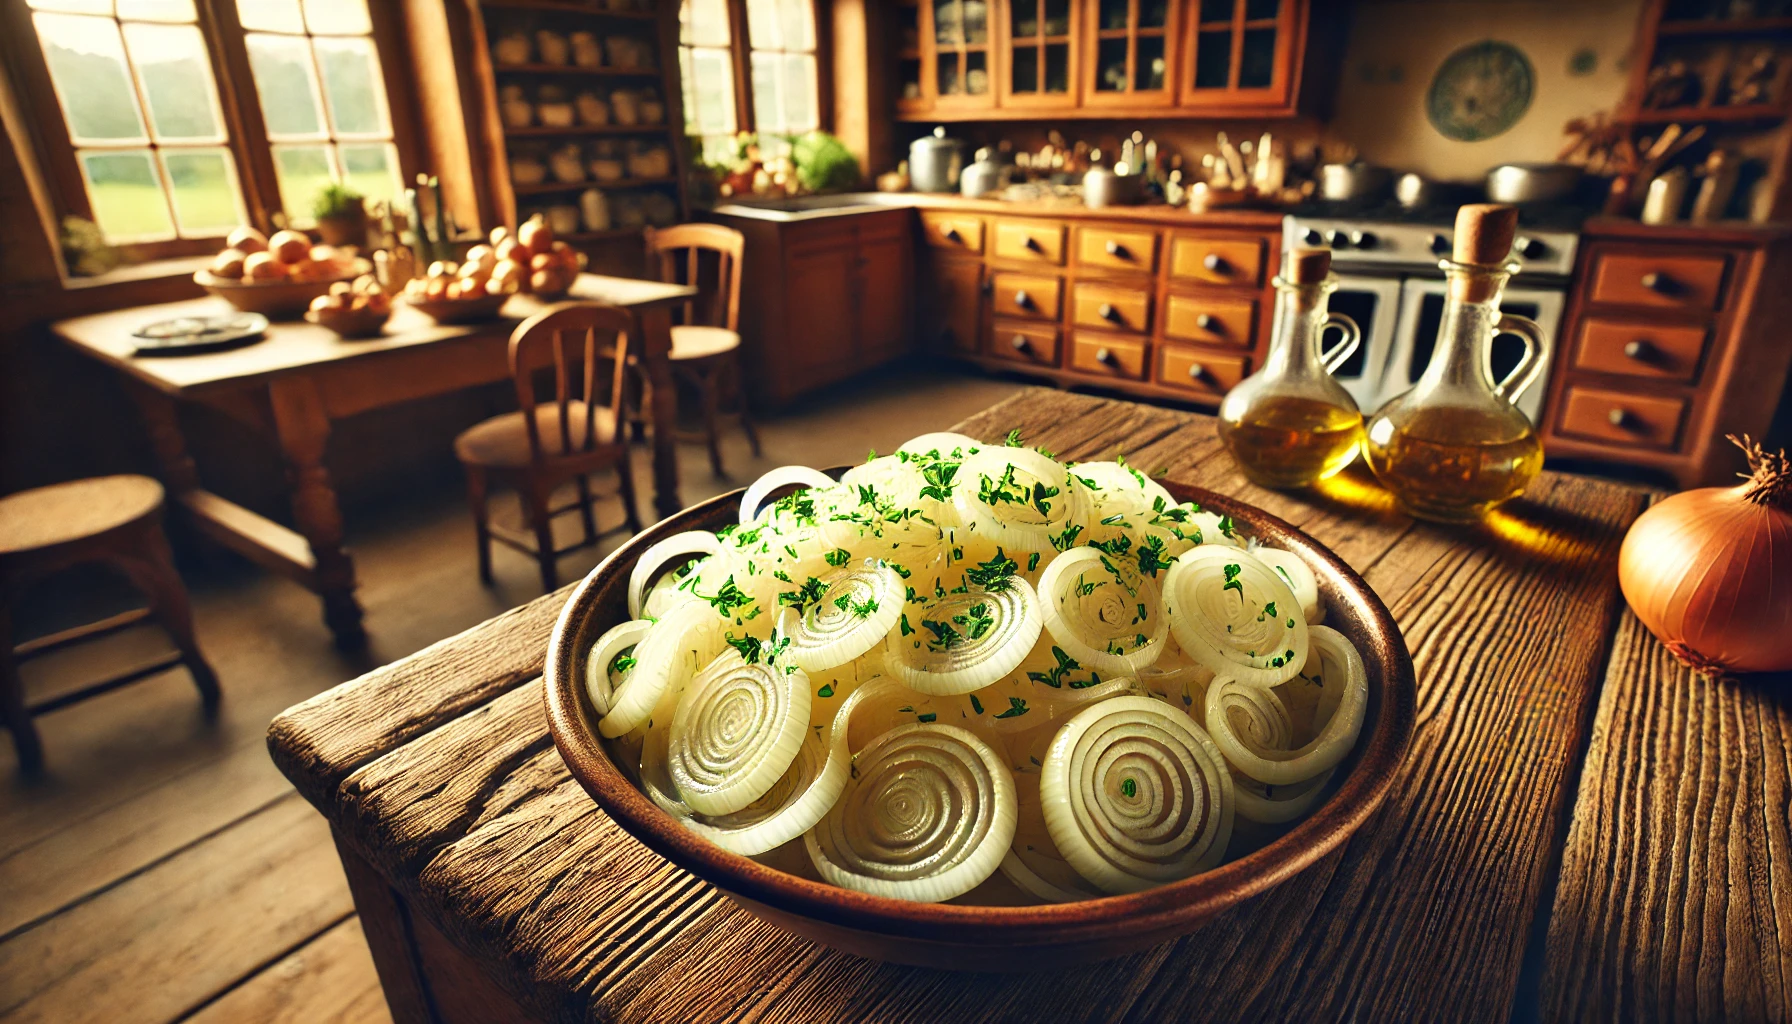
x=927, y=717
x=976, y=705
x=838, y=557
x=827, y=689
x=1152, y=557
x=1232, y=582
x=1016, y=708
x=1055, y=677
x=623, y=662
x=807, y=594
x=997, y=574
x=1129, y=788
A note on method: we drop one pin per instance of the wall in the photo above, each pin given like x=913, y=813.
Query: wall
x=1396, y=46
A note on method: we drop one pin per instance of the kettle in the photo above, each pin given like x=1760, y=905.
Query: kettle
x=986, y=175
x=934, y=162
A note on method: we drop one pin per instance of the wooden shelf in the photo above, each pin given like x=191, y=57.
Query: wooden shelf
x=1761, y=112
x=1726, y=27
x=548, y=187
x=568, y=8
x=574, y=69
x=539, y=131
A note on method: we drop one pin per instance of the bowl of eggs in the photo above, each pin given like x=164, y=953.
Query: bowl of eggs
x=968, y=706
x=277, y=277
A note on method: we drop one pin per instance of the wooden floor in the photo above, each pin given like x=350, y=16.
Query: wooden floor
x=164, y=871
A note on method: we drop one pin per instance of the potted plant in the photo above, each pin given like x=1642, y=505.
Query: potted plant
x=341, y=214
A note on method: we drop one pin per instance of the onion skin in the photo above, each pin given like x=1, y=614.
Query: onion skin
x=1709, y=571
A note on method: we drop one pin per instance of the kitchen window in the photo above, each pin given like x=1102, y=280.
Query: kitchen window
x=169, y=122
x=775, y=43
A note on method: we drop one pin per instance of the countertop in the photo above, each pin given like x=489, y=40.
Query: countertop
x=850, y=204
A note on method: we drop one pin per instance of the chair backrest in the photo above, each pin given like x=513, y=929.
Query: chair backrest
x=667, y=248
x=570, y=339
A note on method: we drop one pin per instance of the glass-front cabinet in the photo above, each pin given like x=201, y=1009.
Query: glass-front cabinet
x=1131, y=45
x=912, y=96
x=1241, y=55
x=1040, y=44
x=963, y=72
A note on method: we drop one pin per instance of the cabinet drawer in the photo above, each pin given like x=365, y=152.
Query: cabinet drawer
x=1111, y=307
x=1199, y=371
x=1210, y=321
x=1117, y=249
x=1217, y=260
x=1108, y=355
x=1030, y=241
x=1029, y=295
x=954, y=231
x=1634, y=349
x=1024, y=342
x=1666, y=280
x=1650, y=421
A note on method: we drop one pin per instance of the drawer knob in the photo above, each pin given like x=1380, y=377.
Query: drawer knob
x=1104, y=356
x=1019, y=343
x=1640, y=350
x=1206, y=322
x=1033, y=244
x=1196, y=371
x=1617, y=418
x=951, y=235
x=1108, y=312
x=1214, y=262
x=1116, y=249
x=1658, y=282
x=1022, y=299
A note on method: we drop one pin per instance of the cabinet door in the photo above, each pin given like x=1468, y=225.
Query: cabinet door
x=1040, y=54
x=1241, y=55
x=952, y=305
x=819, y=286
x=911, y=25
x=883, y=299
x=963, y=75
x=1130, y=52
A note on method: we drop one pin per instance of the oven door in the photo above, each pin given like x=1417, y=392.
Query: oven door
x=1374, y=303
x=1422, y=312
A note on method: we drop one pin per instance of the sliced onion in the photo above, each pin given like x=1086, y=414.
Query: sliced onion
x=1103, y=611
x=1118, y=487
x=1235, y=615
x=990, y=635
x=928, y=815
x=1276, y=805
x=1044, y=505
x=1178, y=679
x=735, y=732
x=854, y=614
x=944, y=443
x=689, y=637
x=1033, y=862
x=1252, y=727
x=1135, y=795
x=1299, y=577
x=1215, y=529
x=616, y=640
x=783, y=476
x=656, y=558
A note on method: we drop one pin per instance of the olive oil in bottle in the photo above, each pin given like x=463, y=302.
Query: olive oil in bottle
x=1454, y=446
x=1291, y=424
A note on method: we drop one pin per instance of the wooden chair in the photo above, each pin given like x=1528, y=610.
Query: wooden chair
x=706, y=345
x=115, y=521
x=541, y=446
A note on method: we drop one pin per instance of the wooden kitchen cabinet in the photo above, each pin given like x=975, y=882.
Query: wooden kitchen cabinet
x=823, y=299
x=951, y=301
x=1130, y=53
x=1243, y=56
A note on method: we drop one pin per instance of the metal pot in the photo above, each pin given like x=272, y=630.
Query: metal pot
x=934, y=162
x=1417, y=192
x=1102, y=187
x=984, y=176
x=1532, y=183
x=1352, y=182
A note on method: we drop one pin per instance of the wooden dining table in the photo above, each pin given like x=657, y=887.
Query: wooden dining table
x=1581, y=829
x=300, y=377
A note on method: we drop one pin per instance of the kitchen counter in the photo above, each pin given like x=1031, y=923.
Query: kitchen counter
x=805, y=208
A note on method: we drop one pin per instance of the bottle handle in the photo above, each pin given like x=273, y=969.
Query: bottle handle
x=1526, y=372
x=1346, y=346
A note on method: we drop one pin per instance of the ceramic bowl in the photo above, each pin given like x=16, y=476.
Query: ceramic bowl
x=276, y=300
x=975, y=937
x=351, y=324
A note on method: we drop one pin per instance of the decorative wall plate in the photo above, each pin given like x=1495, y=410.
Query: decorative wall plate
x=1480, y=91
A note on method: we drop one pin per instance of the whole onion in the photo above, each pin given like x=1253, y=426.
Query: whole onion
x=1709, y=571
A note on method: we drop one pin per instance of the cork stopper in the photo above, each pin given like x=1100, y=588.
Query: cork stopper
x=1306, y=266
x=1484, y=233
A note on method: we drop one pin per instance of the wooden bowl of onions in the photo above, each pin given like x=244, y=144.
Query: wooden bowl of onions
x=970, y=708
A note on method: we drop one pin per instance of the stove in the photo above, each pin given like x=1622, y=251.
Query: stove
x=1386, y=258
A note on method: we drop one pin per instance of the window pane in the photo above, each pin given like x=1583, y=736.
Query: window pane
x=703, y=23
x=302, y=171
x=126, y=195
x=765, y=27
x=799, y=25
x=204, y=190
x=351, y=73
x=371, y=169
x=270, y=15
x=86, y=60
x=157, y=10
x=799, y=93
x=338, y=17
x=72, y=6
x=714, y=92
x=177, y=80
x=284, y=82
x=768, y=112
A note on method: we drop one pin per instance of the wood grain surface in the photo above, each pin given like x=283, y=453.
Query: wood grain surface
x=440, y=772
x=1673, y=896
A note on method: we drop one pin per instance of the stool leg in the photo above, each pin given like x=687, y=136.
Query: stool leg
x=537, y=499
x=740, y=403
x=482, y=534
x=12, y=703
x=152, y=570
x=586, y=516
x=710, y=382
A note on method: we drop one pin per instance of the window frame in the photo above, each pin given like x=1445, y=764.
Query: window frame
x=740, y=55
x=240, y=106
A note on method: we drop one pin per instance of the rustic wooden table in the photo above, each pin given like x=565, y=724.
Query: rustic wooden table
x=301, y=377
x=1561, y=760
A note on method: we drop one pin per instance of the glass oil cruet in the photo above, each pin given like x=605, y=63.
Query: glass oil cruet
x=1290, y=423
x=1454, y=446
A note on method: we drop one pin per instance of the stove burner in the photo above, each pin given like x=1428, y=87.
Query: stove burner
x=1537, y=216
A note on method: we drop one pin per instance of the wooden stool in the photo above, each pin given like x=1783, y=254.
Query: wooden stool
x=112, y=520
x=706, y=346
x=541, y=446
